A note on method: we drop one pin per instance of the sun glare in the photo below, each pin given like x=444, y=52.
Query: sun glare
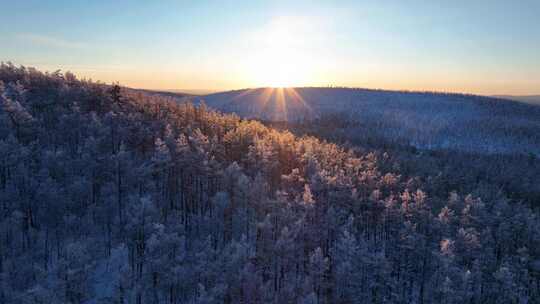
x=279, y=68
x=283, y=73
x=279, y=58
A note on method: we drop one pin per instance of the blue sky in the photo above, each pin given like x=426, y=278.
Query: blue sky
x=485, y=47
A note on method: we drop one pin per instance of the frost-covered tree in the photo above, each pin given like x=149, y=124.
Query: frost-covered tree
x=108, y=194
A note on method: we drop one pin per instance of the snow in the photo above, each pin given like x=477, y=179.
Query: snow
x=424, y=119
x=106, y=275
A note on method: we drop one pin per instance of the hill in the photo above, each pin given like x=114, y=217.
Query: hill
x=114, y=196
x=532, y=99
x=178, y=96
x=424, y=120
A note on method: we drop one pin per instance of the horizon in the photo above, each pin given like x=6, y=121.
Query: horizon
x=483, y=48
x=202, y=92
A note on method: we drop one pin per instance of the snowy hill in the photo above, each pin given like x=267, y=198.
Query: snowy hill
x=422, y=119
x=113, y=196
x=532, y=99
x=179, y=96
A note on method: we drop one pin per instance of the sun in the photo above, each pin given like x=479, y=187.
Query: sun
x=283, y=72
x=279, y=59
x=278, y=68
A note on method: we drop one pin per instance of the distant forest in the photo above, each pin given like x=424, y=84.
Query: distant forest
x=532, y=99
x=108, y=195
x=424, y=120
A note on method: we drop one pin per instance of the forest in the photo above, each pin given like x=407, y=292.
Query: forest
x=440, y=168
x=420, y=119
x=110, y=195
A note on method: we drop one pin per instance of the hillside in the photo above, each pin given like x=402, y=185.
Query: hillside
x=114, y=196
x=179, y=96
x=532, y=99
x=421, y=119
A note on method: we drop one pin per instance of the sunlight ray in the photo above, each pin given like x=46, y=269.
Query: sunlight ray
x=281, y=104
x=263, y=99
x=298, y=98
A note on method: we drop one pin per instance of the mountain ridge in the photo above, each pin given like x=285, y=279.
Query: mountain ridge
x=532, y=99
x=427, y=120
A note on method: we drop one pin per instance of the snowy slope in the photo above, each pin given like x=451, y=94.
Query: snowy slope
x=422, y=119
x=532, y=99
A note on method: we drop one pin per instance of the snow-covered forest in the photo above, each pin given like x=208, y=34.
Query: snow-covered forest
x=425, y=120
x=108, y=195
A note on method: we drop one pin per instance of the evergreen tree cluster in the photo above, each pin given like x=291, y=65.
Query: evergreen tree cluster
x=114, y=196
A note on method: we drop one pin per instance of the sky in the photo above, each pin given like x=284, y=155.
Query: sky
x=482, y=47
